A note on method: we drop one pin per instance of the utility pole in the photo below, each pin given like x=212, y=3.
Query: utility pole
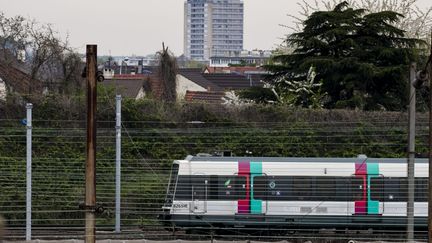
x=90, y=172
x=411, y=154
x=429, y=69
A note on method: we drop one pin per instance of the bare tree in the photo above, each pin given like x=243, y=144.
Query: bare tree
x=13, y=36
x=167, y=72
x=417, y=22
x=46, y=48
x=72, y=67
x=50, y=58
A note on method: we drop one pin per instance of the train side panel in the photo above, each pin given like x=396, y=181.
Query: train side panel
x=252, y=191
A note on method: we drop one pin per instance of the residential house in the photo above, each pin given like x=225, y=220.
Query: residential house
x=192, y=79
x=192, y=84
x=196, y=85
x=14, y=80
x=128, y=86
x=232, y=81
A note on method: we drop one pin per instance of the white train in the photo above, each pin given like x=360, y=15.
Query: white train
x=293, y=192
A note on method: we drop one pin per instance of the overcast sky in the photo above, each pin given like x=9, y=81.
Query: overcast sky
x=126, y=27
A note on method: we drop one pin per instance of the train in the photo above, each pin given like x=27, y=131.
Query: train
x=265, y=192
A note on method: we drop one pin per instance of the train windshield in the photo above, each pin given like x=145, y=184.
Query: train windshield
x=172, y=184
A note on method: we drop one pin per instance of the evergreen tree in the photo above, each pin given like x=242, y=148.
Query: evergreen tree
x=361, y=58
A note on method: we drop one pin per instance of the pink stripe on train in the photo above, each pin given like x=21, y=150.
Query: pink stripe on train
x=244, y=171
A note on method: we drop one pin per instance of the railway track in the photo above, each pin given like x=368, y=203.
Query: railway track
x=76, y=232
x=208, y=234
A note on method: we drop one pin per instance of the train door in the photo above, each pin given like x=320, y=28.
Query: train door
x=243, y=190
x=367, y=190
x=199, y=194
x=254, y=187
x=375, y=194
x=358, y=195
x=259, y=193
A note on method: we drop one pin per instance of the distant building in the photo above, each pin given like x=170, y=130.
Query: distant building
x=128, y=65
x=243, y=70
x=213, y=28
x=149, y=60
x=245, y=58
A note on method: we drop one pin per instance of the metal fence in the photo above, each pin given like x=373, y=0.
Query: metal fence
x=42, y=174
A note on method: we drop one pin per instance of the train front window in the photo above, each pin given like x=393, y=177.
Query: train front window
x=172, y=183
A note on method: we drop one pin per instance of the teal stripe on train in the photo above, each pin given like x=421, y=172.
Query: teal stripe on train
x=255, y=170
x=372, y=172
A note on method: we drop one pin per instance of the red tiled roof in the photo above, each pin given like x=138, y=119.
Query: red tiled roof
x=18, y=80
x=203, y=96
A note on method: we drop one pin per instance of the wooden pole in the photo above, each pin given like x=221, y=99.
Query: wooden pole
x=90, y=173
x=429, y=68
x=411, y=154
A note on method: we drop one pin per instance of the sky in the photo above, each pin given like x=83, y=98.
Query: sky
x=138, y=27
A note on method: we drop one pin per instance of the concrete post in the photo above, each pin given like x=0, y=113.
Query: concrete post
x=29, y=108
x=118, y=163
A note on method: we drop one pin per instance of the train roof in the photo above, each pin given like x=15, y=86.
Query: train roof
x=300, y=159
